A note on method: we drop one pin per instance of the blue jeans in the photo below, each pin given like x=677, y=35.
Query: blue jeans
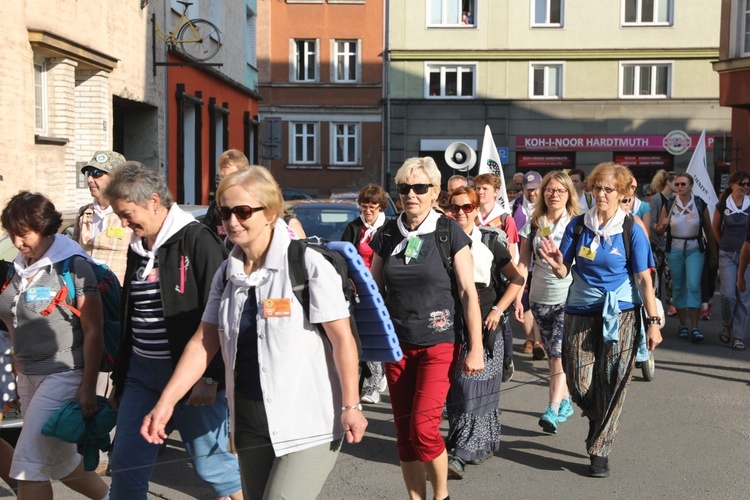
x=687, y=269
x=735, y=305
x=204, y=432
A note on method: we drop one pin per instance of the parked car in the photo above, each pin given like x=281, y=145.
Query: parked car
x=290, y=194
x=390, y=209
x=325, y=219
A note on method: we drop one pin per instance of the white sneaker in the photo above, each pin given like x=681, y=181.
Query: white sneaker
x=371, y=396
x=383, y=384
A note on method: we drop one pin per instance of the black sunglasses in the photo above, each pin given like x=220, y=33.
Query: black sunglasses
x=94, y=172
x=467, y=208
x=418, y=188
x=625, y=200
x=680, y=184
x=744, y=184
x=242, y=212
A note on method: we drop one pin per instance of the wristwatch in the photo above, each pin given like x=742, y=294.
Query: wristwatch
x=210, y=381
x=358, y=406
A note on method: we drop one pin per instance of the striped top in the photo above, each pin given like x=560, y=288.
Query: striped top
x=147, y=325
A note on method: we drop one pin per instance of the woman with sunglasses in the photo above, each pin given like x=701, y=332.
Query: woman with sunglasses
x=663, y=186
x=473, y=415
x=372, y=201
x=603, y=310
x=269, y=347
x=418, y=290
x=171, y=260
x=687, y=225
x=729, y=223
x=633, y=205
x=547, y=296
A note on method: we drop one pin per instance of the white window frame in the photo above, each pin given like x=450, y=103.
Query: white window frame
x=335, y=61
x=744, y=32
x=444, y=7
x=293, y=60
x=636, y=78
x=639, y=7
x=251, y=51
x=443, y=65
x=216, y=16
x=41, y=129
x=533, y=65
x=357, y=143
x=547, y=23
x=293, y=144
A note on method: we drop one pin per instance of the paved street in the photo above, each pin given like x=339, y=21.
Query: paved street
x=686, y=434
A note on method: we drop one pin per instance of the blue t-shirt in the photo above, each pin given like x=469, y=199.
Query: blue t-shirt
x=609, y=269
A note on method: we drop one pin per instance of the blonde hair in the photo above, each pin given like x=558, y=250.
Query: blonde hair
x=260, y=184
x=426, y=164
x=234, y=156
x=620, y=175
x=571, y=206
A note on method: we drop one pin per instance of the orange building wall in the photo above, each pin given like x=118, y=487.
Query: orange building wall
x=196, y=80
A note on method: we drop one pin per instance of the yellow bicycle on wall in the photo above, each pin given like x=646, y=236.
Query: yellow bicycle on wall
x=196, y=38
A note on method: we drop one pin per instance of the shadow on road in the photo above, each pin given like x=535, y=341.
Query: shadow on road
x=522, y=452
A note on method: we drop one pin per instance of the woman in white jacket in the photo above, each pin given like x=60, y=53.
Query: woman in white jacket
x=268, y=347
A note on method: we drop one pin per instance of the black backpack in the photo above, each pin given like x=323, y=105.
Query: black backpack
x=300, y=280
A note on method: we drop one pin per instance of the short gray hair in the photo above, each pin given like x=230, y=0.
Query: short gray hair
x=134, y=182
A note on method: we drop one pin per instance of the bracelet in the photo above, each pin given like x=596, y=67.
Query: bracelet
x=495, y=308
x=653, y=320
x=358, y=406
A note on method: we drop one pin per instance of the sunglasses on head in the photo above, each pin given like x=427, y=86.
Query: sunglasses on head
x=680, y=184
x=417, y=188
x=94, y=172
x=466, y=208
x=242, y=212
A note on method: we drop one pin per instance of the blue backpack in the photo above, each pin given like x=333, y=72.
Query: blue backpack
x=109, y=287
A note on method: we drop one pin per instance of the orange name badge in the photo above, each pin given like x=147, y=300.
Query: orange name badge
x=277, y=308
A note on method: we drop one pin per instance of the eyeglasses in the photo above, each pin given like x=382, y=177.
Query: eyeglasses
x=680, y=184
x=560, y=191
x=372, y=207
x=94, y=172
x=606, y=189
x=466, y=208
x=625, y=200
x=743, y=184
x=418, y=188
x=242, y=212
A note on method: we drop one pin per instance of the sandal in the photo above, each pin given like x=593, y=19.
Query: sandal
x=724, y=337
x=738, y=345
x=528, y=346
x=538, y=351
x=683, y=332
x=696, y=336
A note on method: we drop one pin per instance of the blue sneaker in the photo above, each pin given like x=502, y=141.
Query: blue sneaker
x=566, y=410
x=549, y=420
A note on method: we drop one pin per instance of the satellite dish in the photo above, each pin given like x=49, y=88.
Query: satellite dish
x=460, y=156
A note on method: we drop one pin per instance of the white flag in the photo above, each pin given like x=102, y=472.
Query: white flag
x=490, y=164
x=702, y=185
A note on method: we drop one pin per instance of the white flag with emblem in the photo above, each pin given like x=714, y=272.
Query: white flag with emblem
x=490, y=164
x=702, y=185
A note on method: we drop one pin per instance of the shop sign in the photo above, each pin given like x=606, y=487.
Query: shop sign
x=531, y=160
x=611, y=142
x=661, y=160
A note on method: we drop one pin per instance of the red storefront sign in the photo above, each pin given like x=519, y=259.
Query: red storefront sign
x=661, y=160
x=600, y=142
x=554, y=160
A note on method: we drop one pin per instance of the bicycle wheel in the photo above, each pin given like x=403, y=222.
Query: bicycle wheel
x=202, y=47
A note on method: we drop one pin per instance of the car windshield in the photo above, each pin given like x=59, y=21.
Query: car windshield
x=325, y=221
